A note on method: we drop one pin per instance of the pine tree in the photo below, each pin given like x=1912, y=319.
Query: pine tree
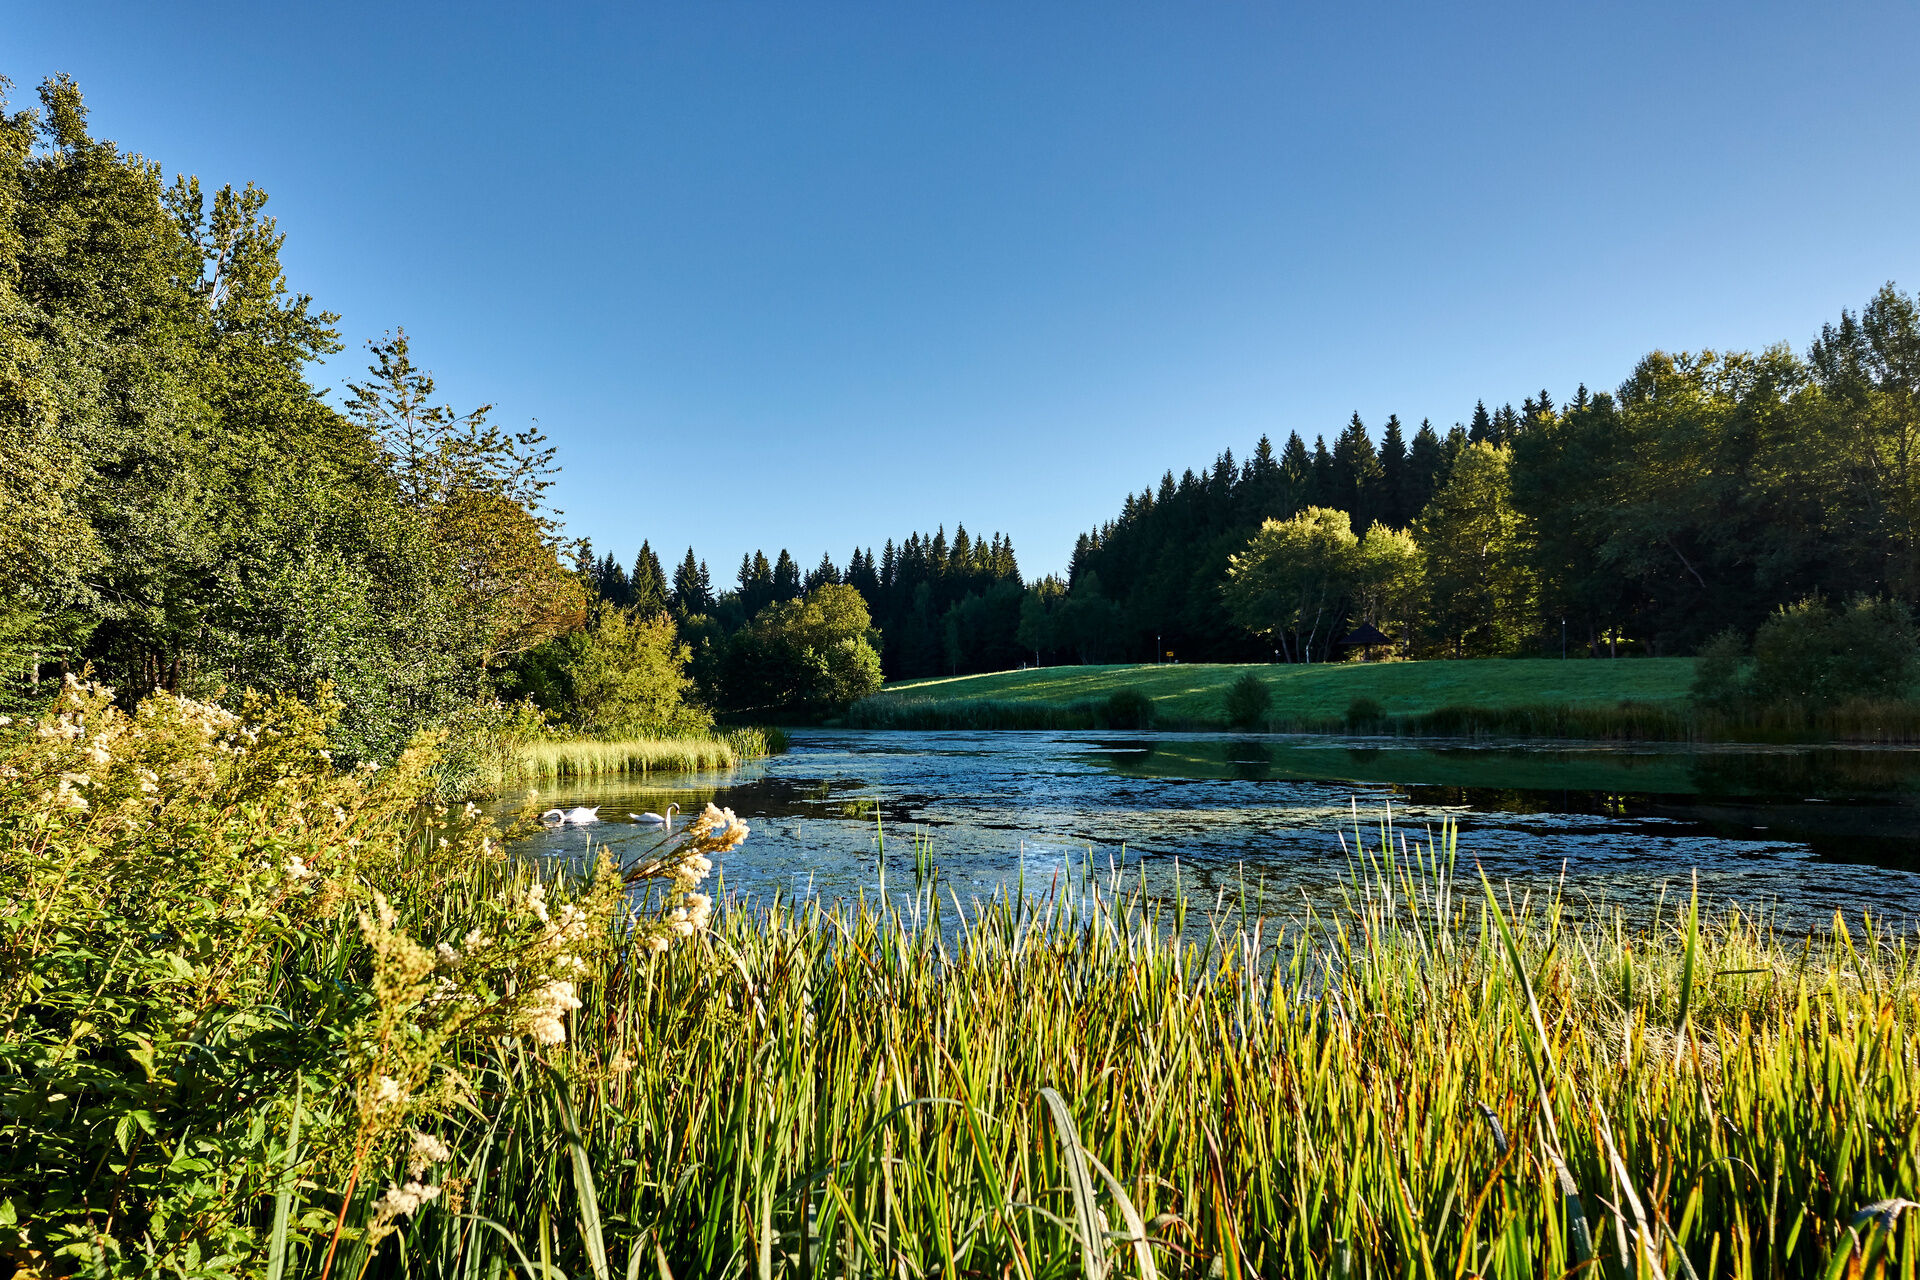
x=1506, y=425
x=1393, y=474
x=692, y=594
x=1324, y=485
x=786, y=577
x=1481, y=432
x=611, y=578
x=1296, y=479
x=648, y=585
x=583, y=562
x=822, y=574
x=1356, y=474
x=1425, y=456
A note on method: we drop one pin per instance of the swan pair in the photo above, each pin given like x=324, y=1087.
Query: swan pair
x=656, y=820
x=570, y=817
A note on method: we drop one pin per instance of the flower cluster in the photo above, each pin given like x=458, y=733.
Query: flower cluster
x=545, y=1016
x=398, y=1202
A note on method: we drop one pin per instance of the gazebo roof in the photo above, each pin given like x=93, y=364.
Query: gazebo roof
x=1365, y=634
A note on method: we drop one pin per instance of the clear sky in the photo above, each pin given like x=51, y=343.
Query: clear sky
x=806, y=275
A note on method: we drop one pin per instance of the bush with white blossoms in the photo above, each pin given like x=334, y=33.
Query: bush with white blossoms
x=207, y=929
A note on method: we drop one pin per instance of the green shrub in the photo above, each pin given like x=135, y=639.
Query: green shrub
x=1247, y=700
x=209, y=930
x=1127, y=709
x=1817, y=656
x=1364, y=713
x=1720, y=678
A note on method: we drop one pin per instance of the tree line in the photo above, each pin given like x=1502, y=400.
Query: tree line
x=1709, y=491
x=181, y=508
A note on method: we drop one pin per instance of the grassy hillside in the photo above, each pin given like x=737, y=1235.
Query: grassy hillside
x=1193, y=694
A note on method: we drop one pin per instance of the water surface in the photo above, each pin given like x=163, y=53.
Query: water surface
x=1797, y=831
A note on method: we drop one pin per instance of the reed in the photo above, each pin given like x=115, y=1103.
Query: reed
x=1433, y=1075
x=550, y=760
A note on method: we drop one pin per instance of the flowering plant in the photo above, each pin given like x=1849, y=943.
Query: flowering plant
x=213, y=939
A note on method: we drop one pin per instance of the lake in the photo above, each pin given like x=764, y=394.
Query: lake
x=1799, y=831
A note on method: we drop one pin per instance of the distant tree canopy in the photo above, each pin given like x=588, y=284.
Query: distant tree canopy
x=1708, y=491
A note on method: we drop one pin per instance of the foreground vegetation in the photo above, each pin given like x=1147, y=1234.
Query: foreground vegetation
x=264, y=1017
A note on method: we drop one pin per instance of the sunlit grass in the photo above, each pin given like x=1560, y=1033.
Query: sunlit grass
x=1429, y=1077
x=1195, y=693
x=550, y=760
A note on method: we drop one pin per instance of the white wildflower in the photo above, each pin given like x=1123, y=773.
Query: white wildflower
x=446, y=953
x=427, y=1150
x=387, y=1092
x=545, y=1019
x=297, y=868
x=398, y=1202
x=475, y=941
x=326, y=755
x=537, y=901
x=98, y=754
x=699, y=909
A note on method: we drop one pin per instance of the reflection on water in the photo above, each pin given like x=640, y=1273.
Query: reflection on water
x=1802, y=831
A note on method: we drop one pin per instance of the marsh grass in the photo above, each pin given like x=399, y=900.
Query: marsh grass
x=1434, y=1075
x=552, y=760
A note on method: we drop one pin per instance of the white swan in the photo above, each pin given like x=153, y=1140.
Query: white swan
x=656, y=820
x=571, y=817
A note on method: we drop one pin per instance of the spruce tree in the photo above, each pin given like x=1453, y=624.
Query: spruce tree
x=648, y=584
x=1393, y=474
x=1481, y=432
x=822, y=574
x=786, y=577
x=1424, y=459
x=1506, y=425
x=1296, y=478
x=1324, y=485
x=1357, y=474
x=691, y=595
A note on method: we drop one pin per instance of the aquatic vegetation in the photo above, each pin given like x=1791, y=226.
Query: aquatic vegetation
x=269, y=1018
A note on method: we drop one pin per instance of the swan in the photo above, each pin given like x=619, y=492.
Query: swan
x=573, y=817
x=657, y=820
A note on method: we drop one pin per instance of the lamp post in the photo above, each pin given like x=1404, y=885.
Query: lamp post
x=1563, y=639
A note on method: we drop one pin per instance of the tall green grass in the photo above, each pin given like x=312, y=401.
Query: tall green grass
x=551, y=760
x=1432, y=1076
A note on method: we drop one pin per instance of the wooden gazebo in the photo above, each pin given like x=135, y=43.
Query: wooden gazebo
x=1366, y=635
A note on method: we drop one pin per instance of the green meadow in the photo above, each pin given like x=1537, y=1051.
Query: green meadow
x=1193, y=695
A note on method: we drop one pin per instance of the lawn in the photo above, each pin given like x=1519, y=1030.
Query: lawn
x=1194, y=692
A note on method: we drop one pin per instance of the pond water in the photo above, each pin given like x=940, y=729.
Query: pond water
x=1793, y=830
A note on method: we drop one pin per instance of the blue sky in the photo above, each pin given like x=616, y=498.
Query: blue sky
x=810, y=275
